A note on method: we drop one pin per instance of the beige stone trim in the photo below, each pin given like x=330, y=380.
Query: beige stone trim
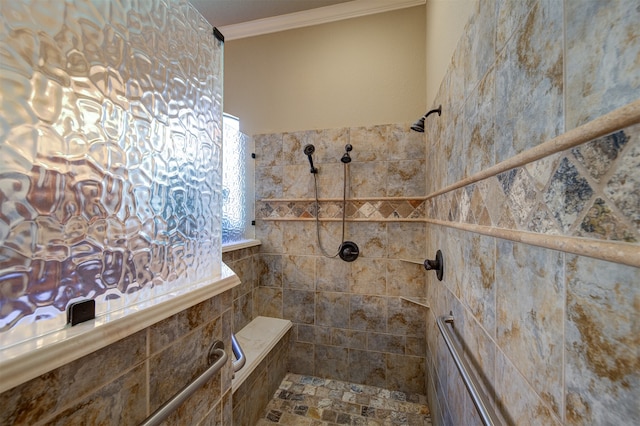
x=620, y=118
x=333, y=200
x=339, y=219
x=618, y=252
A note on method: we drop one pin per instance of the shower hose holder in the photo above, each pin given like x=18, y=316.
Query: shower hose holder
x=435, y=265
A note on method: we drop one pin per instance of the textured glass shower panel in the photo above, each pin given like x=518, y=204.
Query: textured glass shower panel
x=237, y=189
x=110, y=150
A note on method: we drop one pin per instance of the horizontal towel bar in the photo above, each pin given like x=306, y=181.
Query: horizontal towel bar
x=216, y=353
x=487, y=415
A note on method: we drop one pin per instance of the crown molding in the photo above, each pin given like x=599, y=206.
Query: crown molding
x=321, y=15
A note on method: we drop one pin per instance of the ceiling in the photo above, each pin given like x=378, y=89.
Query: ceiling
x=220, y=13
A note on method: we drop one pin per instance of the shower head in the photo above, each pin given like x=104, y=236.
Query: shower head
x=418, y=126
x=308, y=150
x=346, y=158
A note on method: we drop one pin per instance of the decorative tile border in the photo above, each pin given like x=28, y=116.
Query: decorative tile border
x=590, y=191
x=372, y=209
x=578, y=192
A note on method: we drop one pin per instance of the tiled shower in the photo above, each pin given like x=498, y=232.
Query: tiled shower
x=552, y=331
x=527, y=304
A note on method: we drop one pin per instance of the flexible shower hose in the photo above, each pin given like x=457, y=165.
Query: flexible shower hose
x=344, y=211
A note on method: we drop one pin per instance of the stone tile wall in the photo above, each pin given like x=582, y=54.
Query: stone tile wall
x=553, y=333
x=246, y=265
x=125, y=382
x=349, y=320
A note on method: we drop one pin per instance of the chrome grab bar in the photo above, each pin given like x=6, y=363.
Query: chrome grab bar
x=241, y=359
x=485, y=410
x=217, y=354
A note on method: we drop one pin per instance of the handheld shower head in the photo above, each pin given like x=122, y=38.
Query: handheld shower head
x=308, y=150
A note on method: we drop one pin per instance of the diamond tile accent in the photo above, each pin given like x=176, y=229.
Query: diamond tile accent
x=624, y=186
x=522, y=196
x=598, y=155
x=600, y=222
x=567, y=194
x=542, y=221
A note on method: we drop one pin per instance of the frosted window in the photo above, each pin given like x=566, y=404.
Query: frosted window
x=237, y=204
x=110, y=151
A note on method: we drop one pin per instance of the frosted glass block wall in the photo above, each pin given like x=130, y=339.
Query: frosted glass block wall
x=237, y=183
x=110, y=150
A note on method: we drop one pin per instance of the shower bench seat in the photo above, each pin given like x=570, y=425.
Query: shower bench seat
x=265, y=342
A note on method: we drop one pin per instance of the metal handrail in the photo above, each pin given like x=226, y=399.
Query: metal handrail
x=241, y=359
x=216, y=353
x=485, y=410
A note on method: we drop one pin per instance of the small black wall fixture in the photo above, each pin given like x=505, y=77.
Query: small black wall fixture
x=418, y=126
x=349, y=251
x=435, y=265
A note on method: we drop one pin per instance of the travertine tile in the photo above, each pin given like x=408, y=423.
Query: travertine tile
x=601, y=342
x=369, y=143
x=405, y=279
x=368, y=368
x=299, y=272
x=268, y=150
x=267, y=302
x=368, y=312
x=406, y=178
x=529, y=82
x=271, y=180
x=332, y=274
x=121, y=402
x=351, y=339
x=332, y=309
x=335, y=363
x=269, y=270
x=519, y=402
x=529, y=315
x=181, y=362
x=296, y=305
x=405, y=318
x=602, y=70
x=479, y=278
x=43, y=396
x=369, y=276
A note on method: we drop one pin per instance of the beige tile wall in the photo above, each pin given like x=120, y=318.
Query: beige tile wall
x=349, y=320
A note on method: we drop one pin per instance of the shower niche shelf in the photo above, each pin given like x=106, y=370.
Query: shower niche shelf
x=416, y=261
x=421, y=301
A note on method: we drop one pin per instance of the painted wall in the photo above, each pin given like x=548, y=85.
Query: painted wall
x=356, y=72
x=445, y=23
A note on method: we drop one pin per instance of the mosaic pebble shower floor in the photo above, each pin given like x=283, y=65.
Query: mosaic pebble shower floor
x=312, y=401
